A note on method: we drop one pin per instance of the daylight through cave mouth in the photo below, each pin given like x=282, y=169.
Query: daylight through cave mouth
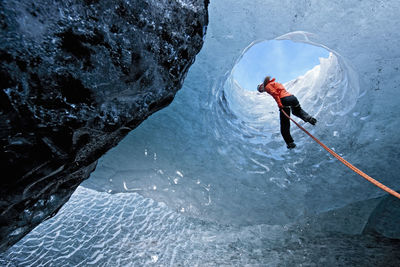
x=319, y=77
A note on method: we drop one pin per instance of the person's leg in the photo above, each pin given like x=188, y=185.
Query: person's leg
x=293, y=102
x=285, y=126
x=298, y=111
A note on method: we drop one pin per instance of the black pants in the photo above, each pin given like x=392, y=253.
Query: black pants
x=291, y=103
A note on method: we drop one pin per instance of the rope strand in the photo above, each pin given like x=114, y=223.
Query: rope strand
x=348, y=164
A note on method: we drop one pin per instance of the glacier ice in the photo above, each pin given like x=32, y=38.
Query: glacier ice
x=232, y=155
x=214, y=163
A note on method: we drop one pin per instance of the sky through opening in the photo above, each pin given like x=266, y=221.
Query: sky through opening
x=285, y=60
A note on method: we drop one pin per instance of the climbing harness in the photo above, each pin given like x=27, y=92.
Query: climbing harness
x=349, y=165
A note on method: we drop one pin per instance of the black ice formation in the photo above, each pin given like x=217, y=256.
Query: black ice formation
x=76, y=76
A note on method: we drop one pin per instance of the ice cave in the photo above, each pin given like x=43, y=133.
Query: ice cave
x=208, y=180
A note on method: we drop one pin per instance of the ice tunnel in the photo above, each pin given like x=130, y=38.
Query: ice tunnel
x=208, y=180
x=239, y=131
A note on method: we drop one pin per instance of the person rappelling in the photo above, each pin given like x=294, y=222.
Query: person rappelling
x=286, y=102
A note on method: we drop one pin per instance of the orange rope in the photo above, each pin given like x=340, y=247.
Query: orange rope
x=349, y=165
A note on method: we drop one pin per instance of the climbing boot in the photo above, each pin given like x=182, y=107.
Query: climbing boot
x=313, y=121
x=291, y=145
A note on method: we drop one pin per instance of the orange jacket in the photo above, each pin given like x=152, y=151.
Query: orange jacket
x=277, y=91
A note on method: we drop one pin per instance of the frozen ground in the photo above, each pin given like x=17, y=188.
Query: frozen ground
x=101, y=229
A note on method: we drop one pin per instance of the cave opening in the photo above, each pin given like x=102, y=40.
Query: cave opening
x=284, y=60
x=302, y=67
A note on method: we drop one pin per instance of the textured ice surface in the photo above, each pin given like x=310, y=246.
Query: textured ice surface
x=215, y=156
x=101, y=229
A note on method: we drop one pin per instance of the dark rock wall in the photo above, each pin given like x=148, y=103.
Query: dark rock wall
x=75, y=77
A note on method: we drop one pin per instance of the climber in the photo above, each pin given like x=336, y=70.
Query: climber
x=285, y=101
